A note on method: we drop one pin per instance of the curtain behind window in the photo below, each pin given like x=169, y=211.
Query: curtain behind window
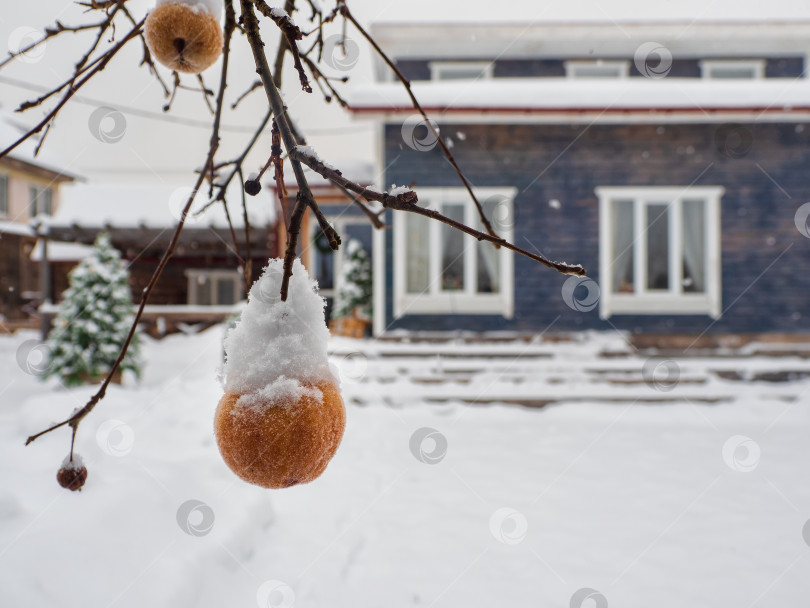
x=623, y=248
x=694, y=246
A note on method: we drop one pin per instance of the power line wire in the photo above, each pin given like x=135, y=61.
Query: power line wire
x=169, y=118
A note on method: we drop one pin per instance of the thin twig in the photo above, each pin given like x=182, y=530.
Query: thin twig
x=291, y=35
x=407, y=200
x=50, y=32
x=407, y=84
x=105, y=59
x=248, y=269
x=304, y=197
x=74, y=420
x=320, y=77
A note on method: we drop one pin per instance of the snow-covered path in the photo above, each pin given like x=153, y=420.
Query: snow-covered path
x=522, y=507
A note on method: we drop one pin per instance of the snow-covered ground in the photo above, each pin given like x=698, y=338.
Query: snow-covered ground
x=673, y=503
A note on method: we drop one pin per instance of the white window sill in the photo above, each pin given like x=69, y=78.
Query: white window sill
x=659, y=304
x=454, y=303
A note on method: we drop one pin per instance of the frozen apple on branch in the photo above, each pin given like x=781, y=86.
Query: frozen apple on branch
x=185, y=35
x=281, y=418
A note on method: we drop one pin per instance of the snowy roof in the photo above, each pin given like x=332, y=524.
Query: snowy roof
x=123, y=205
x=11, y=128
x=598, y=11
x=601, y=35
x=539, y=95
x=59, y=251
x=15, y=228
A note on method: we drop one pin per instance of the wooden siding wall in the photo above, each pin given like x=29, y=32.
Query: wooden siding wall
x=765, y=260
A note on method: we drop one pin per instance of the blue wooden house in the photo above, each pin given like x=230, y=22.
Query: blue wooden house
x=672, y=160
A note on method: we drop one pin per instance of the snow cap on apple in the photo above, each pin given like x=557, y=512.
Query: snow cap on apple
x=277, y=351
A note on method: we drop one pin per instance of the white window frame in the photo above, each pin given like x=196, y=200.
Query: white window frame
x=572, y=66
x=35, y=192
x=466, y=301
x=673, y=301
x=192, y=276
x=438, y=67
x=757, y=66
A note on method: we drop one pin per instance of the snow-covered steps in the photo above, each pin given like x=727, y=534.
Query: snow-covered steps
x=534, y=374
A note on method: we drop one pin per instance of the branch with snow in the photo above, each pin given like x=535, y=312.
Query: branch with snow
x=291, y=33
x=404, y=199
x=285, y=132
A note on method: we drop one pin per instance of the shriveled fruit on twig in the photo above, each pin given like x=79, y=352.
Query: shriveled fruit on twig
x=72, y=474
x=184, y=35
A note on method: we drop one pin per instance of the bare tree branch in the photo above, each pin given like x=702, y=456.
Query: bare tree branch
x=104, y=60
x=344, y=10
x=74, y=420
x=407, y=200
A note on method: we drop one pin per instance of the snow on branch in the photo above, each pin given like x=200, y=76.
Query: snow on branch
x=405, y=199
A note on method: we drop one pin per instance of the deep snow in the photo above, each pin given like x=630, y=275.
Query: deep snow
x=507, y=507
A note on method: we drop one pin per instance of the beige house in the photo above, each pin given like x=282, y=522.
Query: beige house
x=29, y=188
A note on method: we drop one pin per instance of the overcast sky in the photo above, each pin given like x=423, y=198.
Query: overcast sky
x=160, y=149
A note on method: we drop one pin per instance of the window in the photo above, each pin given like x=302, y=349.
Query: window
x=41, y=200
x=460, y=70
x=597, y=69
x=659, y=250
x=3, y=195
x=725, y=69
x=438, y=269
x=214, y=287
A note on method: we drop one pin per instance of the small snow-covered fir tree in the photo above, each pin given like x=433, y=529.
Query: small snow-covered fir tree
x=94, y=319
x=354, y=287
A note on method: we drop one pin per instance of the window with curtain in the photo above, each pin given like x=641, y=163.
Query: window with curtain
x=597, y=68
x=213, y=287
x=733, y=69
x=460, y=70
x=439, y=269
x=660, y=250
x=40, y=200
